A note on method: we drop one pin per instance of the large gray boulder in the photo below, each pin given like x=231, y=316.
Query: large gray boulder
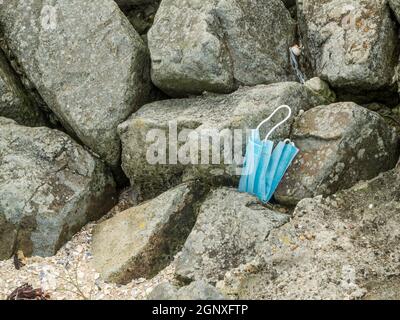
x=351, y=44
x=240, y=111
x=86, y=61
x=141, y=241
x=197, y=290
x=340, y=144
x=49, y=188
x=230, y=229
x=344, y=247
x=216, y=46
x=14, y=101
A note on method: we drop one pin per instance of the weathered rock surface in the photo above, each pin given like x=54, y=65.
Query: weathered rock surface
x=342, y=247
x=216, y=46
x=86, y=61
x=49, y=188
x=340, y=145
x=391, y=115
x=244, y=109
x=197, y=290
x=141, y=241
x=14, y=101
x=229, y=231
x=321, y=88
x=351, y=44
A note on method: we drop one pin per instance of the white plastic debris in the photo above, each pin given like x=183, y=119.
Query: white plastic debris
x=295, y=53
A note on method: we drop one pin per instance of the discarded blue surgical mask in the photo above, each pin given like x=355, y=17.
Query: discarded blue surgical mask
x=264, y=165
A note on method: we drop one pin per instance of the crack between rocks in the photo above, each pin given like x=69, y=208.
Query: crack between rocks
x=318, y=138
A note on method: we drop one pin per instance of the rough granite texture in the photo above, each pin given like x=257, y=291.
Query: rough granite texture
x=340, y=144
x=342, y=247
x=50, y=187
x=181, y=230
x=352, y=44
x=218, y=45
x=197, y=290
x=85, y=59
x=229, y=231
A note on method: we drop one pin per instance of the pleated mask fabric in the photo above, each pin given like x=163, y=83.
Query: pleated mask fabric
x=265, y=166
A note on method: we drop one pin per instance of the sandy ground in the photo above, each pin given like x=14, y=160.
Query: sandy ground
x=70, y=274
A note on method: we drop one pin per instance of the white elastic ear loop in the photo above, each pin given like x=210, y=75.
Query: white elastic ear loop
x=279, y=124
